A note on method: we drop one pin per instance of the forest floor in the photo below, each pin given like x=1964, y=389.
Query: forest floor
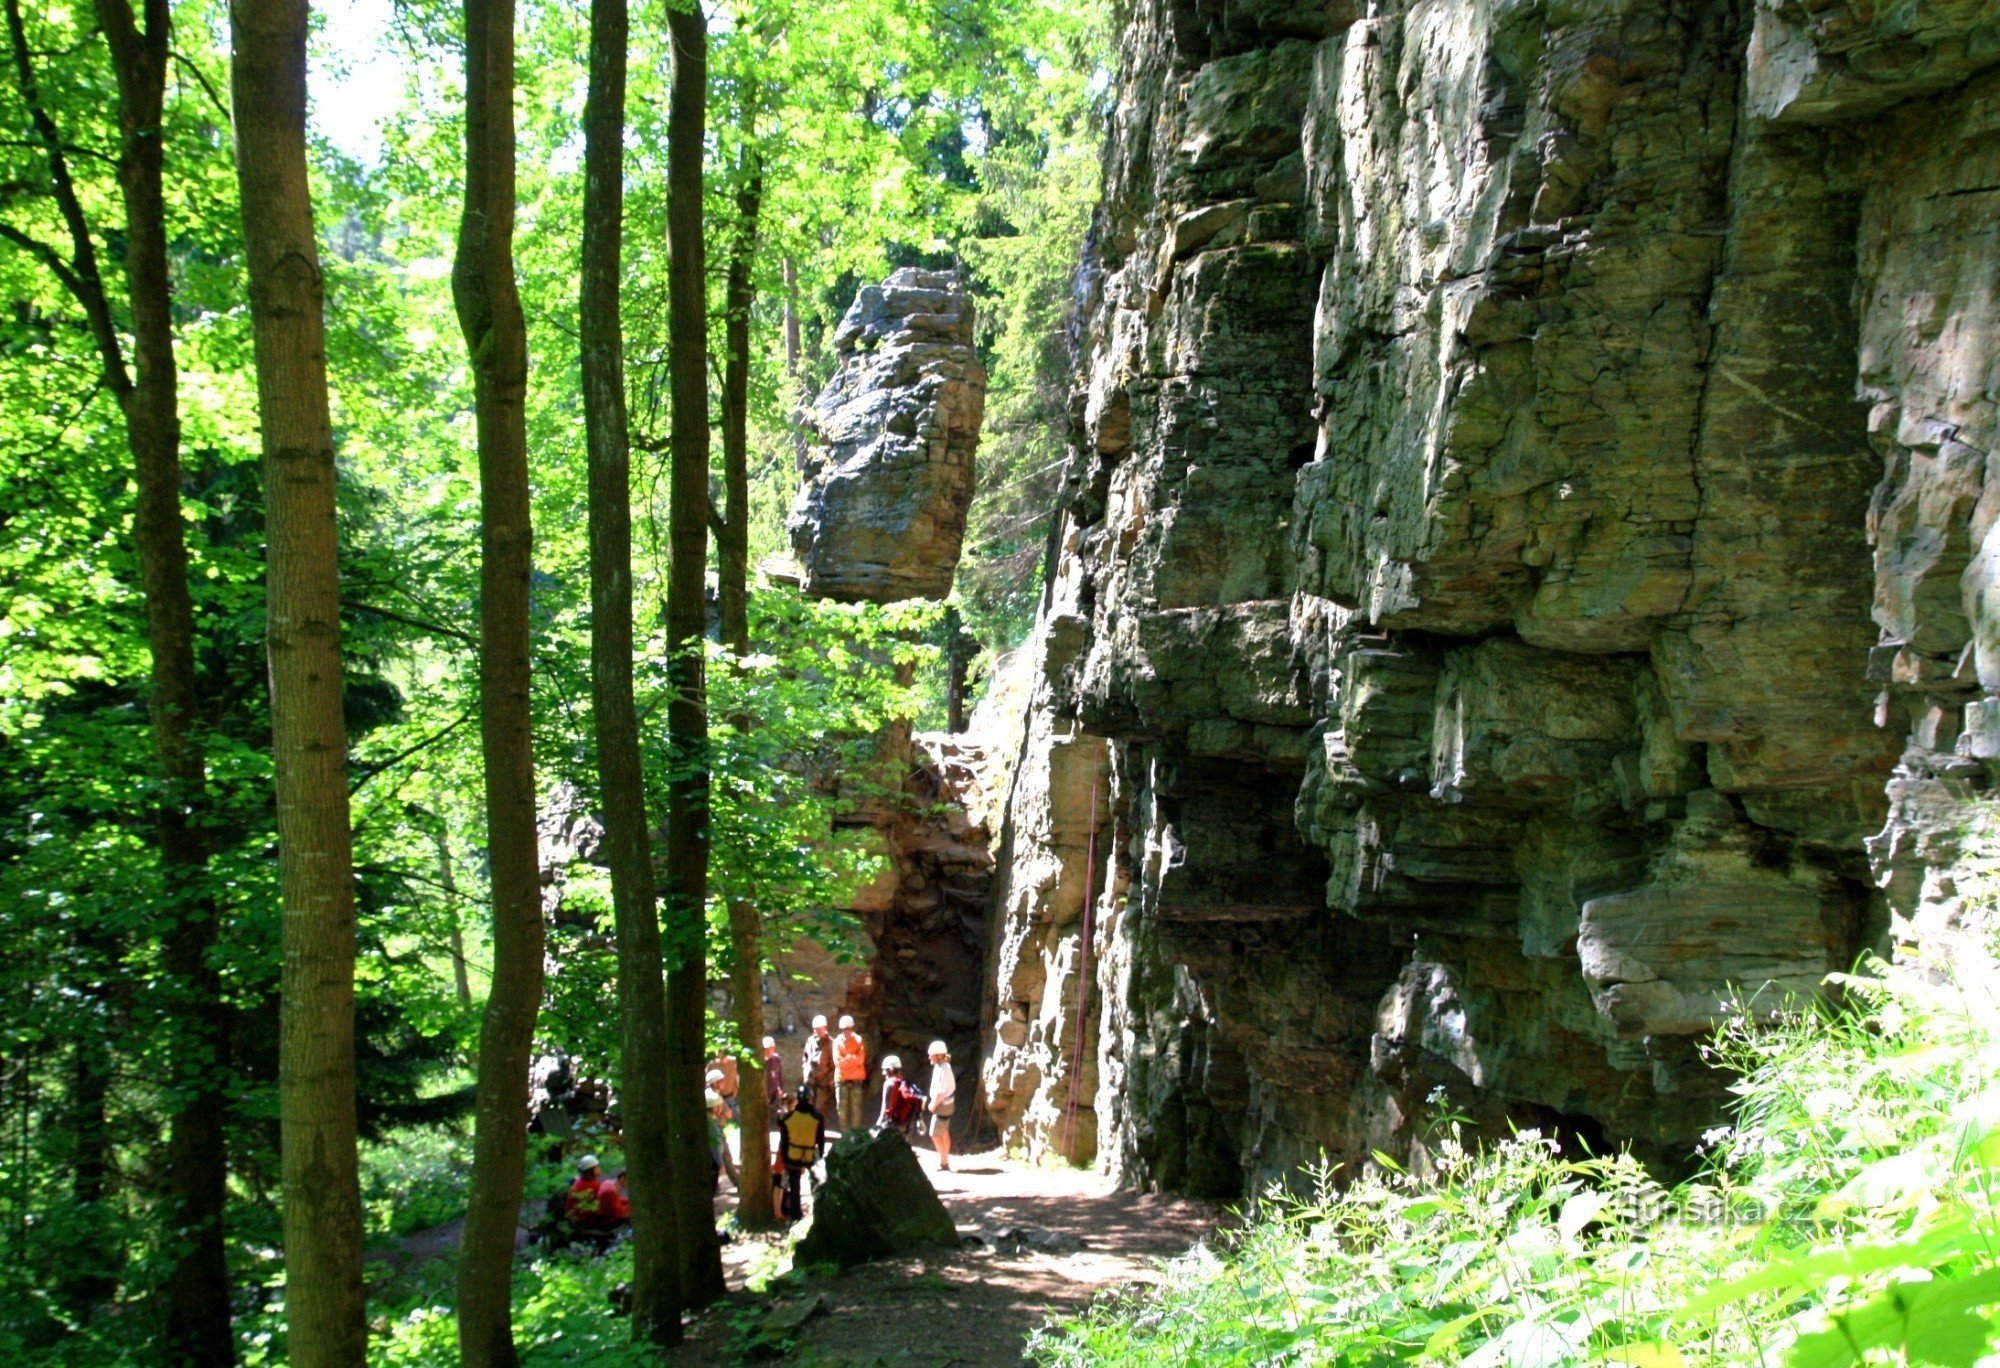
x=968, y=1307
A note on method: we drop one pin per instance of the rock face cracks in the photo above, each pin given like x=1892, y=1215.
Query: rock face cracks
x=887, y=477
x=1461, y=604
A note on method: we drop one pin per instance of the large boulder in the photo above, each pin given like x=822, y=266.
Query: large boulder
x=887, y=479
x=875, y=1204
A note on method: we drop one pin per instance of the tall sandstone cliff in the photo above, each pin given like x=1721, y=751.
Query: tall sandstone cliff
x=1526, y=574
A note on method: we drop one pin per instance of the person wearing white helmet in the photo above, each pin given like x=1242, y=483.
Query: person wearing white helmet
x=720, y=1161
x=850, y=1066
x=944, y=1093
x=580, y=1202
x=816, y=1067
x=774, y=1079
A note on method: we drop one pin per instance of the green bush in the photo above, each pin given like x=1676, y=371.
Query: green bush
x=415, y=1178
x=562, y=1314
x=1847, y=1216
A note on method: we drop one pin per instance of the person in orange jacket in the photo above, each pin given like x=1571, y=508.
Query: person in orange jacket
x=850, y=1066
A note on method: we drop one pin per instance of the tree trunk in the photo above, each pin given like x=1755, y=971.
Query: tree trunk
x=455, y=929
x=958, y=654
x=798, y=387
x=687, y=713
x=746, y=929
x=732, y=541
x=197, y=1291
x=791, y=318
x=645, y=1084
x=489, y=313
x=88, y=1273
x=315, y=856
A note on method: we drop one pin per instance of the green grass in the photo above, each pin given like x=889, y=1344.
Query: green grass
x=1847, y=1216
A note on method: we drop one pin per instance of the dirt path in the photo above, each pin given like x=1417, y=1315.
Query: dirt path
x=974, y=1306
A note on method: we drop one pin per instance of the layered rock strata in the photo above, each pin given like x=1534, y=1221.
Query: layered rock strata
x=1462, y=587
x=887, y=476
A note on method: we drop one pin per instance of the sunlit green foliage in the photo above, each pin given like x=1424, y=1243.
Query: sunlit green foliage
x=1849, y=1215
x=884, y=132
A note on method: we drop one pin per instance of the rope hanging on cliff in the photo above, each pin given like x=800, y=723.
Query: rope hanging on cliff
x=1082, y=979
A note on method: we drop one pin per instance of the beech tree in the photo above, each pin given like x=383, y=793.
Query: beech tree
x=732, y=562
x=147, y=392
x=656, y=1295
x=322, y=1198
x=496, y=338
x=687, y=617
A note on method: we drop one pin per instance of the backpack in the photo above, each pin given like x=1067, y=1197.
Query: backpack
x=802, y=1132
x=904, y=1102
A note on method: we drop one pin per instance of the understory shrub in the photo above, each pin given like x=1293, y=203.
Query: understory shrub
x=1847, y=1216
x=415, y=1178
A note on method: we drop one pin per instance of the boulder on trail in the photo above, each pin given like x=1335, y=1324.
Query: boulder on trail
x=875, y=1203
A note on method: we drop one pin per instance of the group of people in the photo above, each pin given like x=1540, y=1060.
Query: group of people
x=835, y=1069
x=834, y=1082
x=835, y=1073
x=594, y=1204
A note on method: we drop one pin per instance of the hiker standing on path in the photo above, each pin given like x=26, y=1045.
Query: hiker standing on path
x=722, y=1081
x=774, y=1081
x=850, y=1061
x=816, y=1067
x=944, y=1091
x=804, y=1138
x=719, y=1160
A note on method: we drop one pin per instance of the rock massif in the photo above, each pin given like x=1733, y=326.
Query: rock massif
x=1461, y=672
x=887, y=474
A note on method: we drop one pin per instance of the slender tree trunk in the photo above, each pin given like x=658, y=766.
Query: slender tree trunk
x=958, y=653
x=799, y=399
x=197, y=1292
x=89, y=1275
x=746, y=928
x=791, y=318
x=687, y=713
x=489, y=313
x=732, y=538
x=746, y=984
x=455, y=929
x=646, y=1081
x=323, y=1300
